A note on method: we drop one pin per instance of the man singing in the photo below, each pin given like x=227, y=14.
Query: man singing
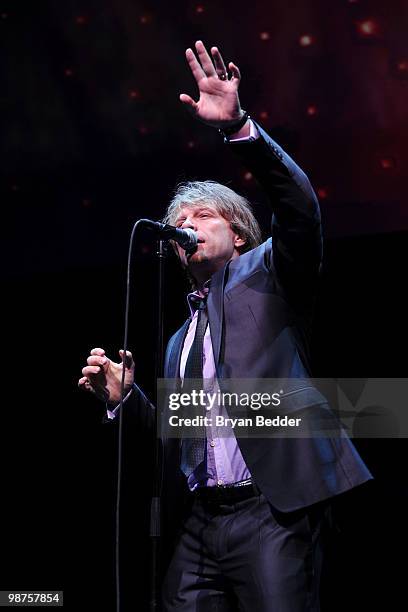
x=252, y=536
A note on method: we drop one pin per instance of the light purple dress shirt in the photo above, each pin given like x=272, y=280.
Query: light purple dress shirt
x=223, y=462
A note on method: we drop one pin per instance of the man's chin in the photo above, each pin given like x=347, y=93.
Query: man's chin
x=196, y=258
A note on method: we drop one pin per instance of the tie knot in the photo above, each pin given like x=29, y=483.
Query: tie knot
x=199, y=303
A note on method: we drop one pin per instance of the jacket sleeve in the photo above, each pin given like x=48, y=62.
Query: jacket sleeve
x=138, y=409
x=297, y=245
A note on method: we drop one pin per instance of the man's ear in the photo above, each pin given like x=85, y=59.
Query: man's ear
x=239, y=242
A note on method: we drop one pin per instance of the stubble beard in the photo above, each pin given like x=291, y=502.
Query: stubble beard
x=198, y=263
x=197, y=258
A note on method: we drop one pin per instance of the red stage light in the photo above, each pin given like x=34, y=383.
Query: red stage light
x=200, y=8
x=402, y=66
x=311, y=110
x=145, y=19
x=134, y=94
x=247, y=176
x=264, y=115
x=387, y=163
x=264, y=36
x=323, y=193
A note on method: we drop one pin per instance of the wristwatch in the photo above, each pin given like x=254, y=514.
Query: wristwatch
x=232, y=129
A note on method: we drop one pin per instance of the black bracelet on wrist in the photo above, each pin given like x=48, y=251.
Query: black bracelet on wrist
x=232, y=129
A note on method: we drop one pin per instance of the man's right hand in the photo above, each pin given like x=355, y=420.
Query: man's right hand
x=218, y=104
x=103, y=377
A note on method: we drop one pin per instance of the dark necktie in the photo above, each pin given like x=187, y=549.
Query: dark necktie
x=192, y=449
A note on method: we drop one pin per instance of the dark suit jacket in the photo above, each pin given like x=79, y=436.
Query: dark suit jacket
x=260, y=309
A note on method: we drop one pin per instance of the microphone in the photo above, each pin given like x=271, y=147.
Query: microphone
x=186, y=238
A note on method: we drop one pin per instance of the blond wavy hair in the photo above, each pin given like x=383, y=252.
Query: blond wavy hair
x=233, y=207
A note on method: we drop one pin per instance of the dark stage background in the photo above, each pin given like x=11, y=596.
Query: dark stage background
x=94, y=137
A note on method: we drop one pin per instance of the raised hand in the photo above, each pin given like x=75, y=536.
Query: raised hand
x=103, y=377
x=218, y=104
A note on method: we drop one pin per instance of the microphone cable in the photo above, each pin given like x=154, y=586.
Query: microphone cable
x=120, y=427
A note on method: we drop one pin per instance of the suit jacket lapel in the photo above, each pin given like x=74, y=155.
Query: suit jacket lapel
x=215, y=306
x=172, y=367
x=172, y=373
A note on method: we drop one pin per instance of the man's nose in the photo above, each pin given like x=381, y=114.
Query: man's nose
x=189, y=223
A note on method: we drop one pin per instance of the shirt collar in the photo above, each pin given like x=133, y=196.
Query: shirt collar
x=194, y=298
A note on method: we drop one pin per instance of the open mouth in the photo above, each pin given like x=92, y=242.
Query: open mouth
x=191, y=252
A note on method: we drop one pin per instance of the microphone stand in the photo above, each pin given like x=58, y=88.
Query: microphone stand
x=155, y=502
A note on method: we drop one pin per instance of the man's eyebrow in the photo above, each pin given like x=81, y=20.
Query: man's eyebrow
x=196, y=210
x=205, y=207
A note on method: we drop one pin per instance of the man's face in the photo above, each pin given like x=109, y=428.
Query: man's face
x=217, y=241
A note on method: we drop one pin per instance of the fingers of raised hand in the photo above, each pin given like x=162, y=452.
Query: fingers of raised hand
x=219, y=64
x=207, y=66
x=205, y=59
x=236, y=74
x=189, y=102
x=195, y=66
